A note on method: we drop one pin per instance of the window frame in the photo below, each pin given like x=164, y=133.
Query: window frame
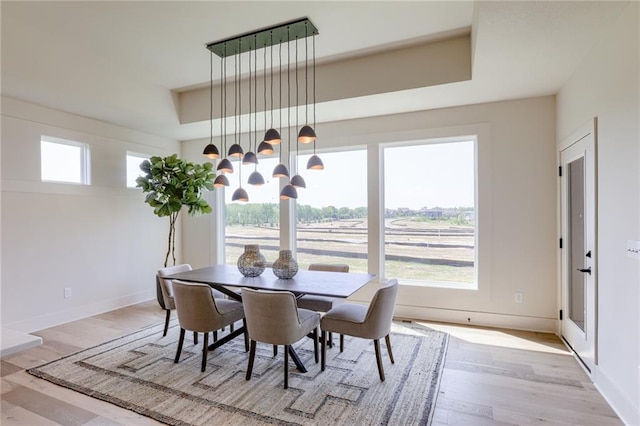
x=85, y=157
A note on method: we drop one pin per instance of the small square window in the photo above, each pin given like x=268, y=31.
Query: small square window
x=133, y=167
x=64, y=161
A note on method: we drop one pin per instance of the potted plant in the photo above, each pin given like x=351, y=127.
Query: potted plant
x=171, y=184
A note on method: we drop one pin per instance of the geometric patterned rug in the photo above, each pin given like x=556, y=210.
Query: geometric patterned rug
x=137, y=372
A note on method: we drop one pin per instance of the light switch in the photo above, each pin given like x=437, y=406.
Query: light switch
x=633, y=249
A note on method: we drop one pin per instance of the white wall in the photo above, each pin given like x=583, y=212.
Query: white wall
x=607, y=86
x=101, y=240
x=517, y=211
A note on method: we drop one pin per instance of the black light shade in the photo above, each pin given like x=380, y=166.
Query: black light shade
x=265, y=148
x=235, y=150
x=280, y=171
x=306, y=135
x=256, y=179
x=249, y=158
x=315, y=163
x=211, y=152
x=298, y=182
x=272, y=136
x=225, y=166
x=240, y=195
x=289, y=191
x=221, y=180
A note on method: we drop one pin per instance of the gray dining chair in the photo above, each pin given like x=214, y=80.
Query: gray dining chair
x=273, y=317
x=322, y=303
x=372, y=322
x=167, y=293
x=200, y=312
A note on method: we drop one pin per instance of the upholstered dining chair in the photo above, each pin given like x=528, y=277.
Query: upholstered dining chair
x=167, y=292
x=273, y=317
x=200, y=312
x=372, y=322
x=322, y=303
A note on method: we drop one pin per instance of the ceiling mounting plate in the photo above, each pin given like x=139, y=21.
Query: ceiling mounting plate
x=281, y=33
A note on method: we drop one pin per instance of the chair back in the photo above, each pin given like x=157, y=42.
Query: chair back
x=329, y=267
x=272, y=316
x=380, y=312
x=165, y=284
x=196, y=307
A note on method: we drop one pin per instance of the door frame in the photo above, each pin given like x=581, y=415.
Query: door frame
x=589, y=129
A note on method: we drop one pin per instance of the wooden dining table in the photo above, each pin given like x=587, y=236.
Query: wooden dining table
x=227, y=278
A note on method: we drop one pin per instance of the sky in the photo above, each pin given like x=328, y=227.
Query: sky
x=417, y=176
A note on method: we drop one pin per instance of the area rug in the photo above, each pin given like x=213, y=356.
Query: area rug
x=137, y=372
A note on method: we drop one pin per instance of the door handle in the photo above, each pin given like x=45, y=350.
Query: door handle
x=588, y=270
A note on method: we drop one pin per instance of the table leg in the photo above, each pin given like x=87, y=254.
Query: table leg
x=296, y=360
x=227, y=338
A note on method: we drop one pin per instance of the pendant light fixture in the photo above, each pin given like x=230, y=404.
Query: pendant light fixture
x=255, y=178
x=314, y=163
x=211, y=151
x=297, y=181
x=251, y=42
x=250, y=156
x=289, y=191
x=224, y=166
x=281, y=171
x=306, y=134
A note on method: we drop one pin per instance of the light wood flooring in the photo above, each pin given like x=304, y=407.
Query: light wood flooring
x=491, y=377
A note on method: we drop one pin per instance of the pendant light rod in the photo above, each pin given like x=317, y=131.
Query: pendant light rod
x=277, y=34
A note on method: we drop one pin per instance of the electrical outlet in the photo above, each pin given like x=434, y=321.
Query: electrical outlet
x=519, y=296
x=67, y=292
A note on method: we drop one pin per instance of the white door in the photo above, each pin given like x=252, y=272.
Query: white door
x=579, y=270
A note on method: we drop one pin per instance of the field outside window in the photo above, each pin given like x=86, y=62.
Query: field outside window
x=133, y=168
x=429, y=215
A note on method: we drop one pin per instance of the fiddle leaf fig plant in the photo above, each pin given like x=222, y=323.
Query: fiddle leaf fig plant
x=171, y=184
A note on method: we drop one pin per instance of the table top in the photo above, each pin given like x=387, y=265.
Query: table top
x=321, y=283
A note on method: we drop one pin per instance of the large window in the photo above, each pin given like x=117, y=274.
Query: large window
x=429, y=213
x=256, y=221
x=332, y=212
x=133, y=168
x=64, y=161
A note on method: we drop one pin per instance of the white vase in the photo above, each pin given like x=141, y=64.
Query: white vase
x=285, y=267
x=251, y=262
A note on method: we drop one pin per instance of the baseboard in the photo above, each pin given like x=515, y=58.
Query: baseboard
x=485, y=319
x=79, y=312
x=628, y=412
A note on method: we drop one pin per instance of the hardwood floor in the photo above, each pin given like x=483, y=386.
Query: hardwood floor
x=491, y=377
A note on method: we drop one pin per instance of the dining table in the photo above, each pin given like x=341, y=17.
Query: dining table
x=228, y=280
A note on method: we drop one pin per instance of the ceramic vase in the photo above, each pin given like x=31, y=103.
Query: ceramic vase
x=251, y=262
x=285, y=267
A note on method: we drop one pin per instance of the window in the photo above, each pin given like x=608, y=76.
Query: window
x=429, y=213
x=332, y=212
x=133, y=168
x=64, y=161
x=256, y=221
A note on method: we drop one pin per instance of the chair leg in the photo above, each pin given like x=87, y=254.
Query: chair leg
x=330, y=334
x=166, y=323
x=275, y=350
x=180, y=341
x=246, y=335
x=323, y=345
x=376, y=344
x=286, y=366
x=195, y=338
x=204, y=351
x=252, y=355
x=231, y=328
x=215, y=335
x=341, y=342
x=388, y=341
x=315, y=343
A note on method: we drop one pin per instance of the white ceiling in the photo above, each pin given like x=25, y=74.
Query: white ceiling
x=122, y=62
